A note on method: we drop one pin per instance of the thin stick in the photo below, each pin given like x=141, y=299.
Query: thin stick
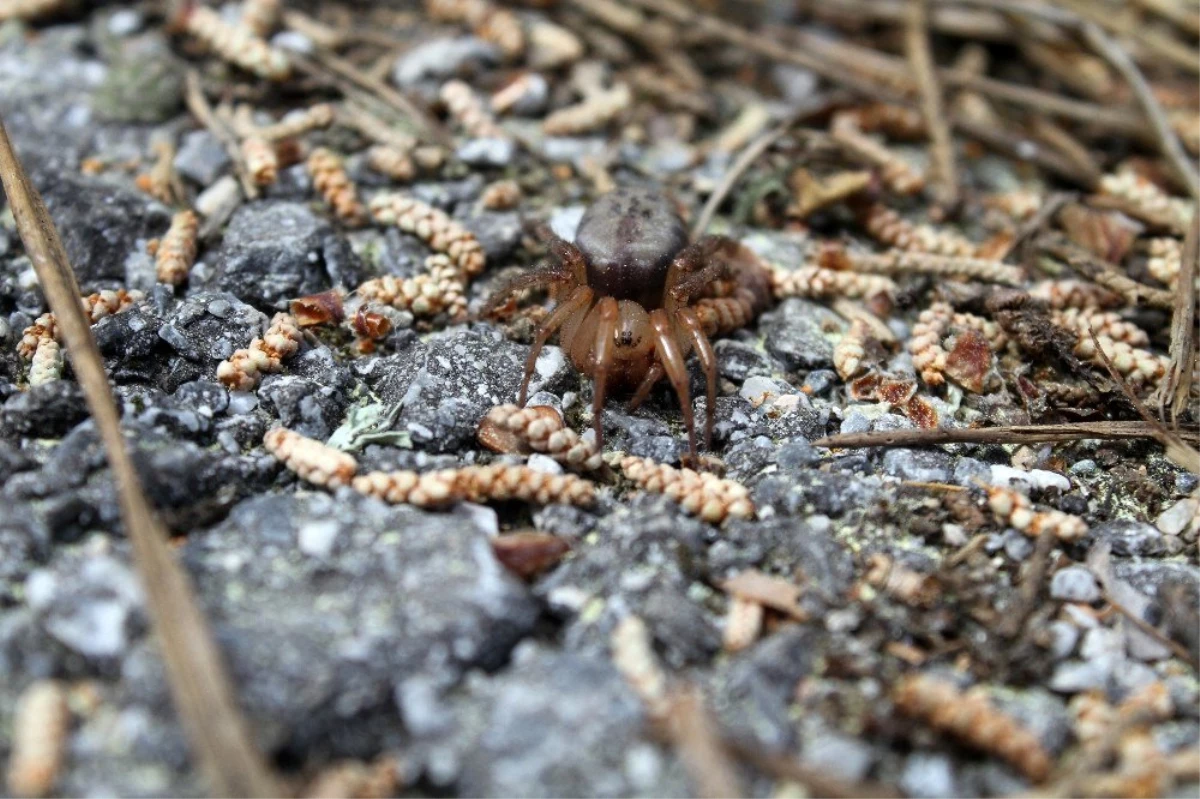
x=1010, y=434
x=1176, y=648
x=328, y=62
x=744, y=161
x=1168, y=142
x=1153, y=43
x=1030, y=589
x=1178, y=385
x=1103, y=272
x=920, y=56
x=197, y=103
x=202, y=691
x=694, y=732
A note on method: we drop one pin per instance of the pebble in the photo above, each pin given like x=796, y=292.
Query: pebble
x=1175, y=519
x=1074, y=584
x=443, y=58
x=490, y=151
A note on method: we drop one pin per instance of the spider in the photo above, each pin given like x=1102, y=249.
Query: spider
x=628, y=311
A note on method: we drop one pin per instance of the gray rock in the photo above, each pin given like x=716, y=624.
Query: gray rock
x=920, y=465
x=44, y=411
x=209, y=326
x=144, y=82
x=274, y=251
x=303, y=405
x=100, y=224
x=752, y=690
x=493, y=152
x=1129, y=537
x=201, y=158
x=315, y=643
x=444, y=58
x=738, y=360
x=89, y=602
x=460, y=376
x=929, y=776
x=560, y=725
x=1074, y=584
x=795, y=334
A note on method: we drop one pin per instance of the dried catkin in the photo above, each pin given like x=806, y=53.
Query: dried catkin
x=542, y=429
x=970, y=717
x=1105, y=324
x=848, y=354
x=391, y=161
x=896, y=121
x=888, y=227
x=1012, y=508
x=243, y=370
x=262, y=162
x=592, y=113
x=47, y=363
x=895, y=262
x=1019, y=204
x=40, y=725
x=1140, y=367
x=503, y=482
x=433, y=227
x=489, y=21
x=1144, y=195
x=177, y=250
x=296, y=124
x=818, y=282
x=503, y=195
x=526, y=91
x=236, y=44
x=439, y=289
x=468, y=111
x=496, y=482
x=261, y=16
x=1165, y=261
x=720, y=315
x=1060, y=294
x=311, y=460
x=909, y=586
x=895, y=172
x=95, y=307
x=743, y=624
x=424, y=490
x=925, y=343
x=633, y=655
x=712, y=498
x=330, y=179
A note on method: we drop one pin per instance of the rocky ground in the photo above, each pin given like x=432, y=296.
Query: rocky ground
x=358, y=631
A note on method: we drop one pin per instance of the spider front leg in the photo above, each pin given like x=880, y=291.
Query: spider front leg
x=708, y=362
x=670, y=355
x=604, y=351
x=579, y=302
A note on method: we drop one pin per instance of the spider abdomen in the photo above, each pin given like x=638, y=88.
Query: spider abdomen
x=628, y=238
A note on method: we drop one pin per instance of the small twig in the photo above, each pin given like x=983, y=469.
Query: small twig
x=692, y=729
x=199, y=684
x=1178, y=385
x=1177, y=649
x=1104, y=273
x=920, y=56
x=1032, y=582
x=328, y=65
x=1168, y=142
x=1037, y=223
x=197, y=103
x=744, y=161
x=1012, y=434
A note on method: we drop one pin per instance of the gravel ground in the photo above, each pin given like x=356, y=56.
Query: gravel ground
x=355, y=630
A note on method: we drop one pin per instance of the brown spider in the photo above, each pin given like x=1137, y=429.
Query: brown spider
x=627, y=290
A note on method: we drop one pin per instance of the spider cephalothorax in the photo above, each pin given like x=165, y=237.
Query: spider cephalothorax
x=625, y=291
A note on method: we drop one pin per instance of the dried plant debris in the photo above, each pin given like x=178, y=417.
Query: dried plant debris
x=937, y=314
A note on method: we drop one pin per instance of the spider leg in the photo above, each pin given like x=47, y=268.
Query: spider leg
x=708, y=362
x=604, y=350
x=693, y=268
x=539, y=276
x=652, y=377
x=579, y=300
x=671, y=356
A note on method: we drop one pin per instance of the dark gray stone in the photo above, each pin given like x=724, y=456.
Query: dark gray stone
x=794, y=333
x=209, y=326
x=1129, y=537
x=920, y=465
x=274, y=251
x=317, y=642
